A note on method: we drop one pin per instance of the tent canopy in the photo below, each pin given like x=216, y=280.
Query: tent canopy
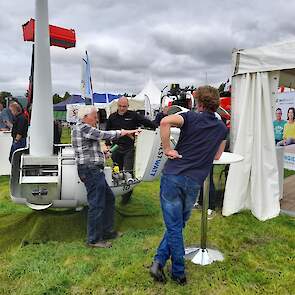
x=99, y=99
x=143, y=100
x=151, y=91
x=275, y=57
x=254, y=183
x=73, y=99
x=104, y=97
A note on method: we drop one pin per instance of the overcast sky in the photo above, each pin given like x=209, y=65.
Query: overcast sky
x=129, y=41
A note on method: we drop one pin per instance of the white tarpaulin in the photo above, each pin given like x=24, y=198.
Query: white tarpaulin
x=142, y=101
x=150, y=91
x=277, y=56
x=254, y=183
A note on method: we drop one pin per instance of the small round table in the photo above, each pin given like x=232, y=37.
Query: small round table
x=203, y=255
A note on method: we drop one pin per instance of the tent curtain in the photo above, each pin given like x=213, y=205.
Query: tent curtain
x=253, y=183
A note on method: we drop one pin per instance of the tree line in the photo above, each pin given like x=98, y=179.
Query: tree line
x=56, y=98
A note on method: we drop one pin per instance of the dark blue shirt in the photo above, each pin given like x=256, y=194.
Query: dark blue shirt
x=199, y=140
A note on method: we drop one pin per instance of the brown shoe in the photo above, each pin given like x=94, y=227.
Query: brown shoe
x=100, y=244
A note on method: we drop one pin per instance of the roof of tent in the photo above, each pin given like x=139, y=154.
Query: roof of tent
x=98, y=98
x=143, y=100
x=73, y=99
x=151, y=91
x=279, y=56
x=104, y=97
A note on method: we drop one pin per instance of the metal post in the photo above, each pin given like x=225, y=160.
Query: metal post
x=204, y=219
x=201, y=254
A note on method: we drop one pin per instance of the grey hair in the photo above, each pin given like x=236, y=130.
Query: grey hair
x=85, y=110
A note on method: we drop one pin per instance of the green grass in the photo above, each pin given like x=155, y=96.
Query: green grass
x=44, y=252
x=65, y=135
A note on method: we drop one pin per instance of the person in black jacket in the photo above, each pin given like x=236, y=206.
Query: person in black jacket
x=124, y=154
x=19, y=129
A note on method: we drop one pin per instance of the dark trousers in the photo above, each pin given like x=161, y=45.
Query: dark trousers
x=178, y=195
x=101, y=202
x=125, y=160
x=212, y=193
x=17, y=145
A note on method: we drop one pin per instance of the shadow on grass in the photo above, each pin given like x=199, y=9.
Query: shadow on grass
x=23, y=228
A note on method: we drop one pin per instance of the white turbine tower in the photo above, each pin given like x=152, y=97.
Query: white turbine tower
x=41, y=131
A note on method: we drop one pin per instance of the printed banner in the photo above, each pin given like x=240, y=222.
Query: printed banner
x=284, y=101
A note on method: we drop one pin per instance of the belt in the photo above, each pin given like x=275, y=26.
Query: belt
x=96, y=165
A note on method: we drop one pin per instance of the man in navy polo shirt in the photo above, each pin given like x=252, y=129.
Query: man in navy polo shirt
x=202, y=139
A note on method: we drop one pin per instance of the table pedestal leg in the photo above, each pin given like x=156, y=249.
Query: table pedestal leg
x=201, y=254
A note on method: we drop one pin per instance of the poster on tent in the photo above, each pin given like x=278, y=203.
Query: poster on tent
x=286, y=100
x=72, y=112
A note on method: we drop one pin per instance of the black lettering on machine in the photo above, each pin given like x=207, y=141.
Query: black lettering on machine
x=157, y=163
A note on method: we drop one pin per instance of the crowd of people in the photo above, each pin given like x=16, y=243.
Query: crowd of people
x=202, y=138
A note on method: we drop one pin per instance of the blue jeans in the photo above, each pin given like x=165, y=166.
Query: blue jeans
x=101, y=202
x=178, y=195
x=17, y=145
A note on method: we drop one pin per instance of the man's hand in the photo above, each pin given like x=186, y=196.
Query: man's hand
x=172, y=154
x=106, y=152
x=220, y=150
x=130, y=132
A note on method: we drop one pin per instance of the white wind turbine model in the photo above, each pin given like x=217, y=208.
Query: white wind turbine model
x=41, y=178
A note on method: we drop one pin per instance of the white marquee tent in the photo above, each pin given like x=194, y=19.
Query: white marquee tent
x=151, y=91
x=254, y=183
x=144, y=100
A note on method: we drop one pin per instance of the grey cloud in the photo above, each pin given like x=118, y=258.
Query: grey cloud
x=208, y=46
x=129, y=41
x=130, y=58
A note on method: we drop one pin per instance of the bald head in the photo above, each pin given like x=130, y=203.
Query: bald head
x=122, y=105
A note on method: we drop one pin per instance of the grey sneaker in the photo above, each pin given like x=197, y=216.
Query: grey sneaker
x=211, y=214
x=157, y=272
